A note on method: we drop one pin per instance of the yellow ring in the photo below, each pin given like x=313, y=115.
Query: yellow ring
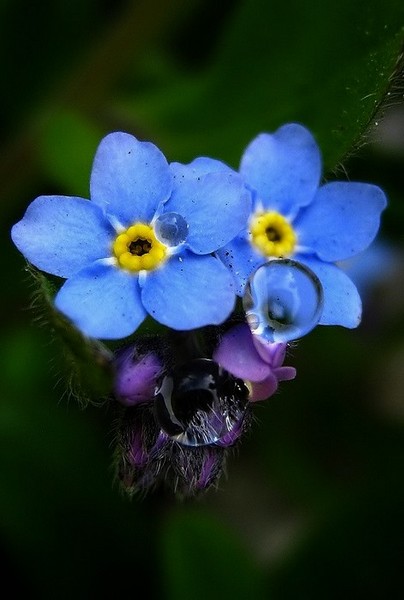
x=149, y=259
x=272, y=234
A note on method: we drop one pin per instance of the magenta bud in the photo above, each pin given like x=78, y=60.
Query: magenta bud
x=136, y=376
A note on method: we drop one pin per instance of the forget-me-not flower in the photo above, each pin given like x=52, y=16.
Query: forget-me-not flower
x=293, y=216
x=143, y=245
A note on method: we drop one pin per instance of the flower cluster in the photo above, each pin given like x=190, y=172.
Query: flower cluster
x=179, y=419
x=179, y=243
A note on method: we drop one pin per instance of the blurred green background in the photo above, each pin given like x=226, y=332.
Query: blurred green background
x=312, y=504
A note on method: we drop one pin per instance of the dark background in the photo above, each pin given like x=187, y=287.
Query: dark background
x=312, y=503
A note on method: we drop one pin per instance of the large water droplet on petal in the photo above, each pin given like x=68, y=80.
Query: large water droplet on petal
x=171, y=229
x=283, y=301
x=199, y=403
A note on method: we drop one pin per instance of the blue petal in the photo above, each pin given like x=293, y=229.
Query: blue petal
x=189, y=291
x=129, y=178
x=63, y=234
x=102, y=301
x=342, y=303
x=284, y=168
x=203, y=165
x=242, y=260
x=342, y=220
x=216, y=206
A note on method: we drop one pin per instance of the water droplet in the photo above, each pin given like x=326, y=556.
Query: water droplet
x=200, y=403
x=283, y=301
x=171, y=229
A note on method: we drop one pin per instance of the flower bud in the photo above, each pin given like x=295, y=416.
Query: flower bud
x=136, y=376
x=197, y=468
x=255, y=360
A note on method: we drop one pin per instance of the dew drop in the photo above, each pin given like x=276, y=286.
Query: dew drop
x=171, y=229
x=283, y=301
x=199, y=403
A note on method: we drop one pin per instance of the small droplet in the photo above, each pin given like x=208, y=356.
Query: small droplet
x=283, y=301
x=200, y=403
x=171, y=229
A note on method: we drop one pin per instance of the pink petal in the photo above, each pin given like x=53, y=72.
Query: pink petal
x=272, y=353
x=261, y=390
x=285, y=373
x=237, y=353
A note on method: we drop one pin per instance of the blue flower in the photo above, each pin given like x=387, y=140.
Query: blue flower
x=294, y=216
x=143, y=244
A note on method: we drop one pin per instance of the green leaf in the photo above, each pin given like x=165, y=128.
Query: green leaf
x=66, y=147
x=327, y=65
x=203, y=559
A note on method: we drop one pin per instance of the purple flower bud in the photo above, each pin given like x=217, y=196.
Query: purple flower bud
x=198, y=403
x=196, y=468
x=140, y=450
x=179, y=423
x=230, y=438
x=136, y=376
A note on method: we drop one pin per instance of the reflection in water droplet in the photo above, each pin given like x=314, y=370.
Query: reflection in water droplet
x=200, y=403
x=283, y=301
x=171, y=229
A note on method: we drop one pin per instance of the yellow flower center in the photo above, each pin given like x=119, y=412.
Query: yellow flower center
x=272, y=234
x=138, y=249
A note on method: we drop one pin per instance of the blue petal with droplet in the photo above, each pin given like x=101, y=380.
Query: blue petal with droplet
x=283, y=301
x=242, y=260
x=342, y=303
x=216, y=206
x=171, y=229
